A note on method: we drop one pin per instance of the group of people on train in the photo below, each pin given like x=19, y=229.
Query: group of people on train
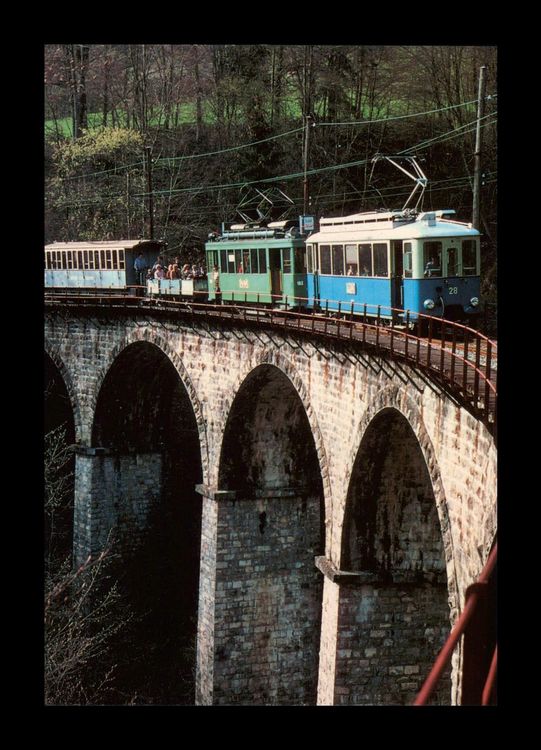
x=163, y=270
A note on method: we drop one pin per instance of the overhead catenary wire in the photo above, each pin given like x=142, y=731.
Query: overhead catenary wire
x=460, y=181
x=442, y=138
x=295, y=175
x=174, y=159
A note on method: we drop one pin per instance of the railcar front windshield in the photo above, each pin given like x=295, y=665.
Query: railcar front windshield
x=432, y=259
x=450, y=257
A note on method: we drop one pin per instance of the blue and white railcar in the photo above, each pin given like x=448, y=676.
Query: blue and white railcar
x=97, y=265
x=421, y=262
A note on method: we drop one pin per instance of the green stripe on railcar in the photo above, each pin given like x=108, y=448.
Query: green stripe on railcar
x=257, y=270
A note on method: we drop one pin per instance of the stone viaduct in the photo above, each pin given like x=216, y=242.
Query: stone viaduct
x=323, y=512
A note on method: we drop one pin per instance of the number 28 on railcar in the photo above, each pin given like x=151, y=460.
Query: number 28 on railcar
x=421, y=262
x=258, y=264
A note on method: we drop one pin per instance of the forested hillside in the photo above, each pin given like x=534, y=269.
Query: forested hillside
x=217, y=119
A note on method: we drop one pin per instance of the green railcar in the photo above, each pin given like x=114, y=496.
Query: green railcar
x=258, y=264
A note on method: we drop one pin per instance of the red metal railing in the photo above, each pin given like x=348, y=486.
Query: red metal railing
x=475, y=621
x=458, y=355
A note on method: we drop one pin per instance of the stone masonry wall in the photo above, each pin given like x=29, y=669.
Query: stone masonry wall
x=388, y=639
x=204, y=681
x=113, y=494
x=267, y=602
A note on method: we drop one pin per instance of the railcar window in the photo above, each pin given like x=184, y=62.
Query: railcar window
x=325, y=258
x=80, y=262
x=231, y=262
x=338, y=260
x=121, y=259
x=97, y=259
x=85, y=260
x=102, y=259
x=262, y=260
x=469, y=258
x=352, y=260
x=381, y=266
x=286, y=254
x=452, y=261
x=300, y=265
x=253, y=254
x=246, y=265
x=108, y=259
x=238, y=261
x=365, y=260
x=315, y=258
x=47, y=260
x=90, y=259
x=432, y=259
x=309, y=266
x=408, y=265
x=70, y=259
x=223, y=261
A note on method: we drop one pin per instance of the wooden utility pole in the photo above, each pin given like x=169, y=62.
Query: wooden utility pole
x=149, y=189
x=305, y=181
x=477, y=155
x=73, y=86
x=128, y=200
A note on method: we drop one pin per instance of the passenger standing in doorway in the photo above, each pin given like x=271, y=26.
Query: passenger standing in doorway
x=140, y=266
x=216, y=282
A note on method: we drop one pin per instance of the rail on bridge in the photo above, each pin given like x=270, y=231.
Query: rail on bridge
x=458, y=357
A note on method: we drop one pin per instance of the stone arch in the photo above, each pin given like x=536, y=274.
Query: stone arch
x=145, y=462
x=395, y=397
x=149, y=335
x=275, y=357
x=394, y=609
x=270, y=529
x=65, y=373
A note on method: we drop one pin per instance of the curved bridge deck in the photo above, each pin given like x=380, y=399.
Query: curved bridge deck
x=458, y=358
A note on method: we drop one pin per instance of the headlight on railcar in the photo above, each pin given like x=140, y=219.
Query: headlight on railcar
x=474, y=301
x=429, y=304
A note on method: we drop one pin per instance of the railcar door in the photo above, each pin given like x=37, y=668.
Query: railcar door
x=397, y=281
x=275, y=267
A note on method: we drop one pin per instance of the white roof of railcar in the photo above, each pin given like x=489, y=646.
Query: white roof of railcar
x=390, y=226
x=99, y=245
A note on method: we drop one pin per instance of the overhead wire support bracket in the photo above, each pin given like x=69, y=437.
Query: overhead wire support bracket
x=420, y=179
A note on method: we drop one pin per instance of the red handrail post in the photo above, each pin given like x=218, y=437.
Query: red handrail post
x=476, y=376
x=488, y=365
x=465, y=367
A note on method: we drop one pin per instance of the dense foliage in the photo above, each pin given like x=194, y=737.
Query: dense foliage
x=195, y=105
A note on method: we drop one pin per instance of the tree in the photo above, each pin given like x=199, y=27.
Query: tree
x=83, y=609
